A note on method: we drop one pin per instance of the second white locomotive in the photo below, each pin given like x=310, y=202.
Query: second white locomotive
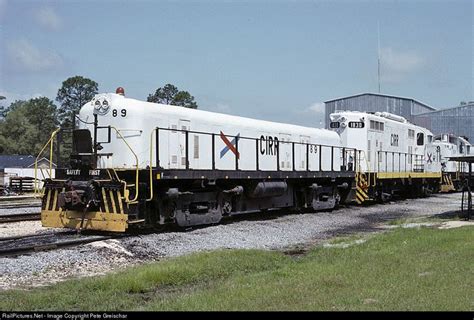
x=392, y=160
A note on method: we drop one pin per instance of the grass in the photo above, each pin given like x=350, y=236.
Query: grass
x=349, y=239
x=402, y=221
x=404, y=269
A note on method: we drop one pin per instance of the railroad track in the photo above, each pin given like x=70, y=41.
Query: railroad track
x=16, y=217
x=19, y=205
x=18, y=245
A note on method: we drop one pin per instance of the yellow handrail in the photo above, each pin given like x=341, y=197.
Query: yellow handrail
x=151, y=166
x=367, y=162
x=50, y=159
x=136, y=169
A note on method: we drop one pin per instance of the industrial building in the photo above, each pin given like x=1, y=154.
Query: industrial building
x=374, y=102
x=458, y=120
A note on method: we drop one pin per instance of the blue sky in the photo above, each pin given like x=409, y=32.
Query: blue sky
x=273, y=60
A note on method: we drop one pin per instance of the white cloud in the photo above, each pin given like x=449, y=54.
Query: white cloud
x=13, y=96
x=48, y=90
x=48, y=19
x=25, y=56
x=311, y=116
x=395, y=65
x=317, y=108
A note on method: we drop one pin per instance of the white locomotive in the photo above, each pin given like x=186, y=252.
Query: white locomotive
x=141, y=163
x=389, y=143
x=392, y=159
x=437, y=156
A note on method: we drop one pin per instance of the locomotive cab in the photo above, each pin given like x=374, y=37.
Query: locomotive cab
x=82, y=156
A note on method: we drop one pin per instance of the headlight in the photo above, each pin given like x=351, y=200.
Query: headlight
x=101, y=107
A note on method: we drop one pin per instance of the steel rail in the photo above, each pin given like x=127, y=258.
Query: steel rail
x=46, y=246
x=19, y=205
x=5, y=218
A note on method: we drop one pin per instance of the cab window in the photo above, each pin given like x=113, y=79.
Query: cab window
x=420, y=139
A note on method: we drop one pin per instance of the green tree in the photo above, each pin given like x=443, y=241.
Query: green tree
x=170, y=94
x=163, y=95
x=2, y=115
x=27, y=126
x=185, y=99
x=3, y=110
x=74, y=93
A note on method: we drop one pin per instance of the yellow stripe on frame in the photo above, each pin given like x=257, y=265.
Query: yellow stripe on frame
x=360, y=197
x=409, y=175
x=55, y=198
x=120, y=201
x=112, y=200
x=93, y=221
x=48, y=195
x=104, y=197
x=364, y=195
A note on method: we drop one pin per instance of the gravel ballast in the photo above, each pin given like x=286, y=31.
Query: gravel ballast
x=275, y=231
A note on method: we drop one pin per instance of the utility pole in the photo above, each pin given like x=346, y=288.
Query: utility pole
x=378, y=52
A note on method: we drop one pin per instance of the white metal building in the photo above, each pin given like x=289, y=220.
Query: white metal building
x=375, y=102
